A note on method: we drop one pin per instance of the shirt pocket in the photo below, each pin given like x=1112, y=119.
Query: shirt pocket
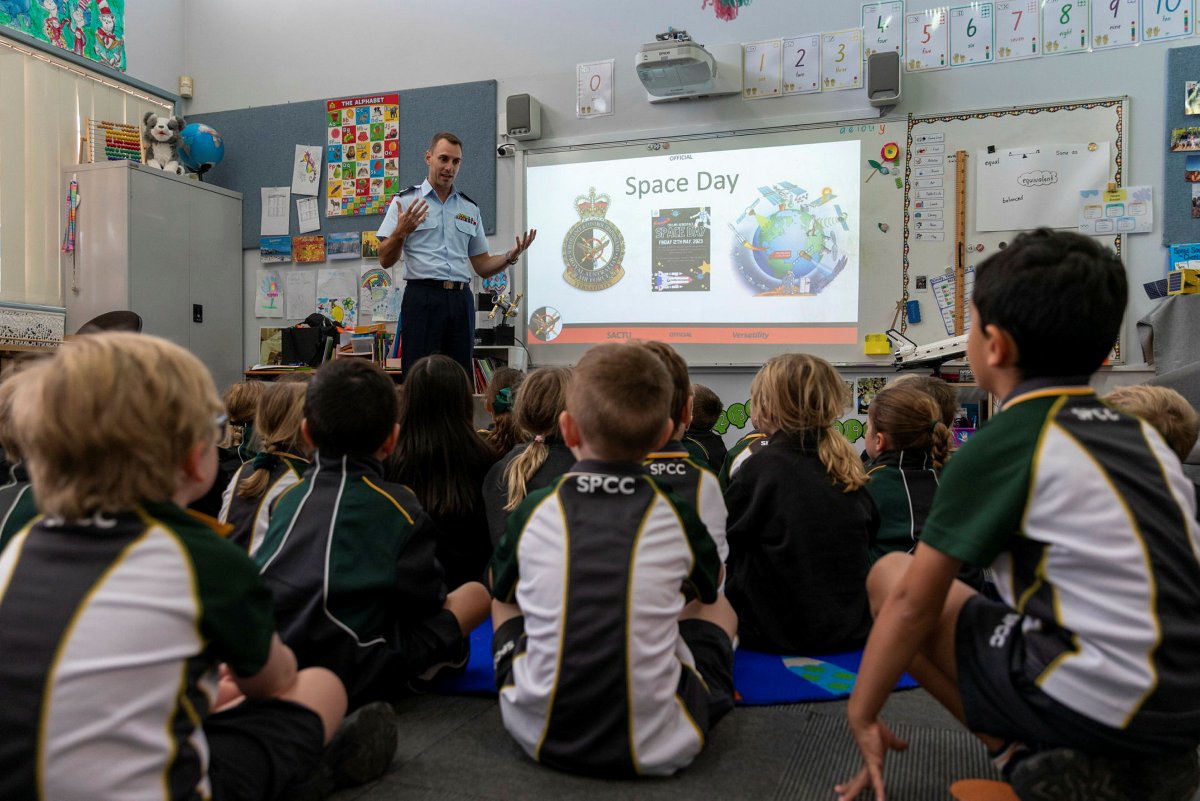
x=467, y=228
x=430, y=222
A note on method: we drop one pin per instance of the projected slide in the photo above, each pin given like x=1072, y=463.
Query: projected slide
x=725, y=246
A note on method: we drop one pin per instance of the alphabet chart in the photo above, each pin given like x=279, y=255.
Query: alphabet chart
x=927, y=40
x=1018, y=29
x=1065, y=26
x=882, y=27
x=802, y=64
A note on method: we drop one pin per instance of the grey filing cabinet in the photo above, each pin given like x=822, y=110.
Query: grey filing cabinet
x=166, y=247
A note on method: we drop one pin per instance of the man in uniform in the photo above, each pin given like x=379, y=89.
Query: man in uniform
x=440, y=231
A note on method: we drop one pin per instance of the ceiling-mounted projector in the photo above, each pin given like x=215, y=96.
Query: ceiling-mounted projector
x=673, y=67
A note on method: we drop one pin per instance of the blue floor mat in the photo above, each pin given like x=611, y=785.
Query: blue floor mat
x=758, y=678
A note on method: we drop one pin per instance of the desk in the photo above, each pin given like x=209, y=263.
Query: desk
x=305, y=374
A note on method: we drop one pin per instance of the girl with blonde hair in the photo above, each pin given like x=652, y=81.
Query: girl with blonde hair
x=539, y=460
x=800, y=519
x=279, y=464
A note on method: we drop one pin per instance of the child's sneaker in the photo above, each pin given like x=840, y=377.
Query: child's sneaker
x=361, y=751
x=1063, y=774
x=449, y=664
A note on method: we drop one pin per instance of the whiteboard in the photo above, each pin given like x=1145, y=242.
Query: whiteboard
x=929, y=218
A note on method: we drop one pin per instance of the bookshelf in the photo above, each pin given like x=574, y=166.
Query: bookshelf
x=489, y=358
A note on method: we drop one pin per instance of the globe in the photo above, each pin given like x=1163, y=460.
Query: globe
x=790, y=241
x=200, y=147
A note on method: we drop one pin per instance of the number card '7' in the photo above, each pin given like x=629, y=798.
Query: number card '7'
x=1018, y=29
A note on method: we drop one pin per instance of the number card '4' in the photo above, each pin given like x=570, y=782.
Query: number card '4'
x=972, y=30
x=1114, y=23
x=1018, y=29
x=1167, y=19
x=1065, y=26
x=802, y=64
x=761, y=69
x=841, y=60
x=926, y=40
x=883, y=29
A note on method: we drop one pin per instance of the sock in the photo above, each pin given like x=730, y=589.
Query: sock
x=1006, y=757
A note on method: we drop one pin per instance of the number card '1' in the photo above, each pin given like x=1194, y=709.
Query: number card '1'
x=1018, y=26
x=926, y=40
x=841, y=60
x=802, y=64
x=883, y=28
x=1166, y=19
x=1114, y=23
x=1065, y=26
x=971, y=35
x=761, y=69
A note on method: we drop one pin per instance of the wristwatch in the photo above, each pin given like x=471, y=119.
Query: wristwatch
x=513, y=260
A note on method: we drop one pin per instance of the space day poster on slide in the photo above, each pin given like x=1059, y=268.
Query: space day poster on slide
x=697, y=242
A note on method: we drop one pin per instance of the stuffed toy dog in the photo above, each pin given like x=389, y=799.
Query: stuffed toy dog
x=160, y=141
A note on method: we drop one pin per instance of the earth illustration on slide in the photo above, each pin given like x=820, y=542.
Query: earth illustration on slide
x=787, y=244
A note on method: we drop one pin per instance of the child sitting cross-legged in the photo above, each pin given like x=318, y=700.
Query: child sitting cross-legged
x=117, y=605
x=499, y=399
x=277, y=466
x=700, y=439
x=613, y=646
x=1081, y=679
x=349, y=557
x=800, y=520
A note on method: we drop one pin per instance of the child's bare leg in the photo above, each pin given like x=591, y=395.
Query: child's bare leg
x=470, y=604
x=935, y=665
x=503, y=612
x=321, y=691
x=719, y=612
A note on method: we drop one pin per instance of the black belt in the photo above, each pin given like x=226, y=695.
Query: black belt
x=433, y=282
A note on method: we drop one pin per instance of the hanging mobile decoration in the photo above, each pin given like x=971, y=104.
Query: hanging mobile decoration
x=725, y=10
x=68, y=244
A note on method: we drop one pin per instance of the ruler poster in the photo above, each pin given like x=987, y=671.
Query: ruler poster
x=362, y=154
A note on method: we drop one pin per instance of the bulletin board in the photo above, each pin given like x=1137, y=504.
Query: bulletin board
x=1180, y=223
x=260, y=148
x=929, y=219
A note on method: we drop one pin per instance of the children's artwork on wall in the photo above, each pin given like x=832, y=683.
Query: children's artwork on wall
x=849, y=391
x=868, y=388
x=94, y=31
x=342, y=310
x=344, y=245
x=386, y=309
x=272, y=249
x=362, y=153
x=370, y=245
x=268, y=294
x=337, y=282
x=301, y=293
x=308, y=249
x=306, y=171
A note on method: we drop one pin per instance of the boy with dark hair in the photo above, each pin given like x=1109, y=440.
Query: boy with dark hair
x=1082, y=680
x=675, y=466
x=700, y=439
x=116, y=605
x=350, y=558
x=613, y=647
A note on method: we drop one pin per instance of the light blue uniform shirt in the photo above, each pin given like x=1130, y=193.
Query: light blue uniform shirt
x=440, y=247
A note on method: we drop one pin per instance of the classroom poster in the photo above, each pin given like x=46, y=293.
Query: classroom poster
x=343, y=245
x=1065, y=26
x=306, y=170
x=274, y=249
x=841, y=60
x=268, y=294
x=1115, y=24
x=1018, y=29
x=883, y=27
x=362, y=154
x=762, y=69
x=926, y=40
x=1039, y=185
x=308, y=249
x=1166, y=19
x=1124, y=210
x=972, y=35
x=94, y=31
x=802, y=64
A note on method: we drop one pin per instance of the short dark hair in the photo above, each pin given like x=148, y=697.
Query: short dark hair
x=706, y=408
x=350, y=407
x=677, y=371
x=1061, y=297
x=449, y=137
